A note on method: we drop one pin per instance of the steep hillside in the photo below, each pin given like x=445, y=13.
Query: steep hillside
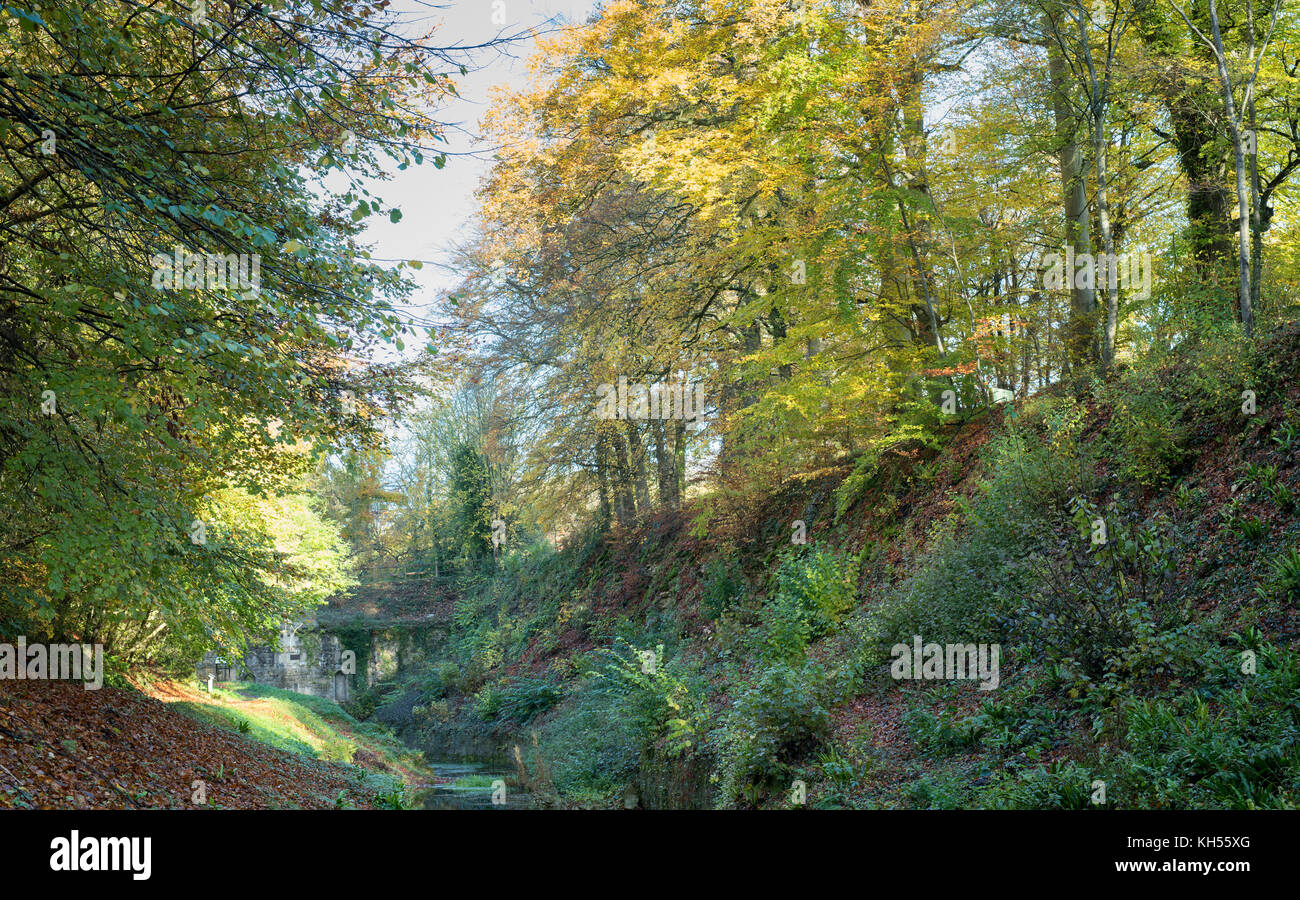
x=1127, y=547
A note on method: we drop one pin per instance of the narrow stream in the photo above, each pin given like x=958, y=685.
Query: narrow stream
x=468, y=784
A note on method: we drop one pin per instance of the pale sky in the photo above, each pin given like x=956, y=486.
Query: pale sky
x=437, y=204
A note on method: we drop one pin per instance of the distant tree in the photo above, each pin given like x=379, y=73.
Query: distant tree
x=472, y=502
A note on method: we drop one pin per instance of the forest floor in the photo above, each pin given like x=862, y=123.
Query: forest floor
x=62, y=746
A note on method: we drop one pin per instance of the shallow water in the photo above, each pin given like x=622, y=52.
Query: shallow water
x=451, y=796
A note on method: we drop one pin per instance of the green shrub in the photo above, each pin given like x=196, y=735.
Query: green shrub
x=523, y=698
x=942, y=733
x=1283, y=497
x=1091, y=601
x=1064, y=784
x=591, y=743
x=487, y=703
x=1249, y=529
x=937, y=791
x=722, y=588
x=447, y=680
x=1189, y=498
x=1171, y=401
x=1020, y=719
x=1286, y=436
x=1285, y=578
x=1152, y=438
x=364, y=703
x=837, y=770
x=395, y=797
x=777, y=719
x=667, y=714
x=1233, y=743
x=814, y=590
x=867, y=467
x=1265, y=476
x=975, y=572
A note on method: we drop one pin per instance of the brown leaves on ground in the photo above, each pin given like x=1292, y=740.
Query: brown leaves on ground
x=64, y=747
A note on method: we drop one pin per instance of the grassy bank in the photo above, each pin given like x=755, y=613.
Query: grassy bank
x=314, y=727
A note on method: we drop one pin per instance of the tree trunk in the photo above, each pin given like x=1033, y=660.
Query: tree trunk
x=602, y=479
x=665, y=465
x=637, y=453
x=1239, y=159
x=679, y=453
x=1110, y=268
x=1081, y=336
x=1190, y=104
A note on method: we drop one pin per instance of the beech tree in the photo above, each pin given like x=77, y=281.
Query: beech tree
x=183, y=313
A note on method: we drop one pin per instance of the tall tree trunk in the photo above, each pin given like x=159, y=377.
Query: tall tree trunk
x=736, y=396
x=621, y=478
x=1191, y=105
x=777, y=328
x=603, y=478
x=1110, y=268
x=1239, y=160
x=636, y=449
x=1098, y=107
x=1256, y=214
x=678, y=430
x=1256, y=218
x=1081, y=331
x=917, y=178
x=665, y=466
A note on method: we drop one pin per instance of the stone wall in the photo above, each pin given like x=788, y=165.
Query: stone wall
x=307, y=661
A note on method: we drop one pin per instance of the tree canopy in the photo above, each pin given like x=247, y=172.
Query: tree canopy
x=186, y=318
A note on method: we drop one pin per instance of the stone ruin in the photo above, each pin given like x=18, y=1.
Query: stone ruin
x=307, y=661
